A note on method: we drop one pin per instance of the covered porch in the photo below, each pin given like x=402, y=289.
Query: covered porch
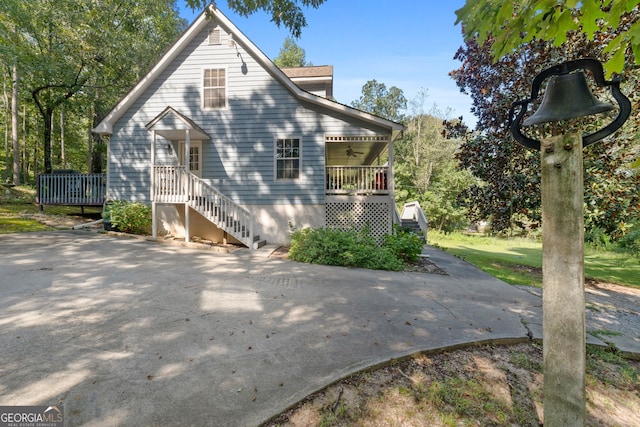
x=359, y=183
x=359, y=165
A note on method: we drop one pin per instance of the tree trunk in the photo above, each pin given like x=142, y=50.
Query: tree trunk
x=63, y=160
x=5, y=98
x=46, y=141
x=25, y=155
x=15, y=116
x=96, y=143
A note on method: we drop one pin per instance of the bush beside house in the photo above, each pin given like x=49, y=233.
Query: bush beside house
x=128, y=217
x=355, y=248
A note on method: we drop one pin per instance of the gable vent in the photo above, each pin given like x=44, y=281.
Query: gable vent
x=215, y=36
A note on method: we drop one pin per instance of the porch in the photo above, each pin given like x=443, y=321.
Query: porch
x=359, y=165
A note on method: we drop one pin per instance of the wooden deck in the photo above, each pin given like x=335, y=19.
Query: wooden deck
x=71, y=189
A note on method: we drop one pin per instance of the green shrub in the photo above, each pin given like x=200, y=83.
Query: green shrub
x=129, y=217
x=347, y=248
x=597, y=238
x=405, y=244
x=630, y=242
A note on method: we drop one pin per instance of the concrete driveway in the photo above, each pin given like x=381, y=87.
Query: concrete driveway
x=129, y=332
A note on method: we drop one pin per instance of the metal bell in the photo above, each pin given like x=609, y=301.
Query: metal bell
x=567, y=97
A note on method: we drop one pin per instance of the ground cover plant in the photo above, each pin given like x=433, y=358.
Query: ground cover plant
x=518, y=261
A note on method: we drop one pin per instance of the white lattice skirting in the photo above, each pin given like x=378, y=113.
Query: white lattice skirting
x=347, y=213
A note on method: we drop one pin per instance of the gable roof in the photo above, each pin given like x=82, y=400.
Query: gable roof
x=172, y=125
x=105, y=127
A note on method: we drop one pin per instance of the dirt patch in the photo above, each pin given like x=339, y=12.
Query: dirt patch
x=282, y=252
x=487, y=385
x=64, y=221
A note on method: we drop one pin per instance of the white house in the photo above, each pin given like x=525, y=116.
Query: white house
x=225, y=145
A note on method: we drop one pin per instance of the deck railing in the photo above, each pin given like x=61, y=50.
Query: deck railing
x=357, y=180
x=71, y=189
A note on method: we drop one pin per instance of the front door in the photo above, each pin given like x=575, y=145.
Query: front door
x=195, y=157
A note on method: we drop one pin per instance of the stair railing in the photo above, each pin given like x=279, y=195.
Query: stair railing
x=174, y=184
x=219, y=209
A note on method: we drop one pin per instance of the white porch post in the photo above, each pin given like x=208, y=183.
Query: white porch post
x=187, y=163
x=154, y=222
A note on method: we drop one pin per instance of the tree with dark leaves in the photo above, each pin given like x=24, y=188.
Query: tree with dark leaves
x=509, y=194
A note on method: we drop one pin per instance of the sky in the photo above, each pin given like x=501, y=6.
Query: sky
x=409, y=44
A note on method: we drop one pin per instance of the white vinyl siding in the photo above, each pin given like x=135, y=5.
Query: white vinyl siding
x=214, y=88
x=288, y=158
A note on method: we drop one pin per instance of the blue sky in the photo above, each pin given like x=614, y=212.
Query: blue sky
x=402, y=43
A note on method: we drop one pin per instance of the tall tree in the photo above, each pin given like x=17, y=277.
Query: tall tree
x=514, y=23
x=290, y=55
x=383, y=102
x=510, y=173
x=63, y=56
x=283, y=12
x=425, y=166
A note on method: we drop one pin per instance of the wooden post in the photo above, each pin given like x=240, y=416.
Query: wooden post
x=563, y=302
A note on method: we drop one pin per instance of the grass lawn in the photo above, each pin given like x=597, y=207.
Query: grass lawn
x=518, y=261
x=17, y=210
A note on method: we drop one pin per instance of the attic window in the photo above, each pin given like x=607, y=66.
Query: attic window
x=215, y=36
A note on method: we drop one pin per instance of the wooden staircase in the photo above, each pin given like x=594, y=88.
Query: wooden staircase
x=174, y=184
x=413, y=218
x=413, y=226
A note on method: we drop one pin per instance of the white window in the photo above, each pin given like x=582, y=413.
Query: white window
x=288, y=158
x=214, y=88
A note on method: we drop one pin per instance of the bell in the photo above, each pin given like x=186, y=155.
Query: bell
x=567, y=97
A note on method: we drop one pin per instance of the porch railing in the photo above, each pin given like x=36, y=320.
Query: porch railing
x=173, y=184
x=170, y=184
x=71, y=189
x=357, y=180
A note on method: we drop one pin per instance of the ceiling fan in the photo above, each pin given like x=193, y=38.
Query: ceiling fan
x=351, y=153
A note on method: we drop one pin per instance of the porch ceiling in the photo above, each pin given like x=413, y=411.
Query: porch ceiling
x=354, y=153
